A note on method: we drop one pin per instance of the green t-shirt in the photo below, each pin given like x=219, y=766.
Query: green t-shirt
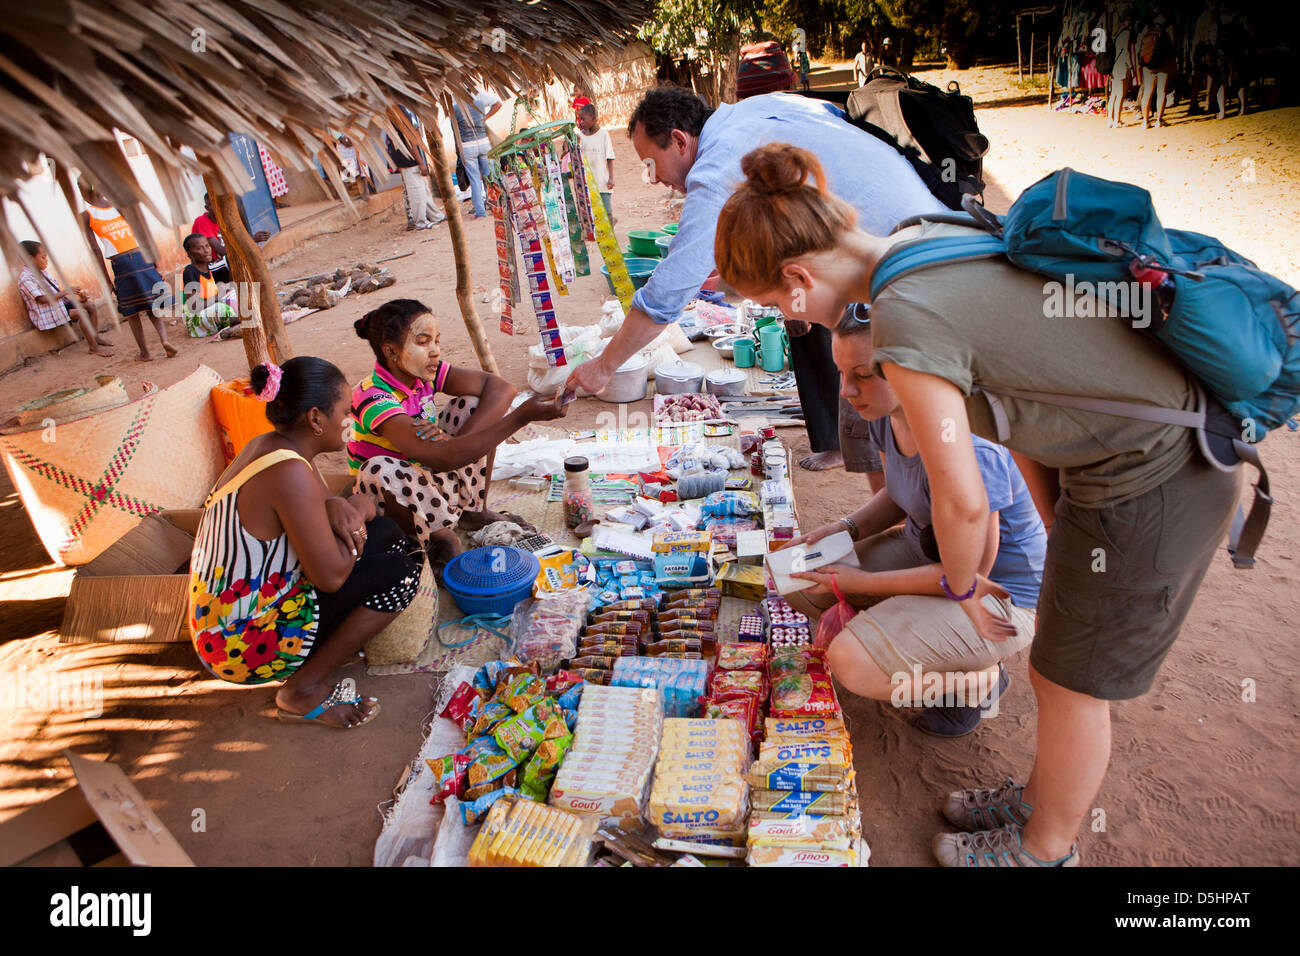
x=985, y=323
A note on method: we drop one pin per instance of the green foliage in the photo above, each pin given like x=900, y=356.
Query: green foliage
x=711, y=28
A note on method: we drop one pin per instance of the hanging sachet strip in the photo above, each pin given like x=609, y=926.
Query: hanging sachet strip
x=576, y=165
x=581, y=258
x=539, y=216
x=534, y=257
x=608, y=244
x=557, y=218
x=505, y=256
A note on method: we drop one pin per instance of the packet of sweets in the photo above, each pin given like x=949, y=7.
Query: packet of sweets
x=742, y=657
x=474, y=811
x=449, y=776
x=487, y=767
x=519, y=735
x=458, y=708
x=493, y=713
x=523, y=692
x=539, y=772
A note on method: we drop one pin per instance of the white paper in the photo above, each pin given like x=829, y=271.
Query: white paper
x=835, y=548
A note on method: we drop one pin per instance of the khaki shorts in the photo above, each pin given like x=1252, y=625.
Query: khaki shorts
x=1118, y=581
x=911, y=630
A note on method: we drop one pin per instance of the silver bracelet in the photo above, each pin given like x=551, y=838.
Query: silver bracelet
x=852, y=526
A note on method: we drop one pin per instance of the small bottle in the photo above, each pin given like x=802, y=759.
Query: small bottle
x=577, y=492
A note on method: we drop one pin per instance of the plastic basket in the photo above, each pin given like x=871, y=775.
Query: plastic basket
x=241, y=415
x=490, y=580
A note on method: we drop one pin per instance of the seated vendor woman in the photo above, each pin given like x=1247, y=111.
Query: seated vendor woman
x=287, y=582
x=907, y=625
x=209, y=305
x=431, y=468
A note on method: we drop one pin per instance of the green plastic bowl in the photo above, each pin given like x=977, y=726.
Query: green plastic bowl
x=671, y=229
x=638, y=269
x=642, y=242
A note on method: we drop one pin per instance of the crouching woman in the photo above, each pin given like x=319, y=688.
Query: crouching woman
x=430, y=468
x=911, y=644
x=287, y=581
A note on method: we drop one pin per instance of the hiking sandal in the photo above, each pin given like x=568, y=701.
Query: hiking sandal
x=986, y=809
x=999, y=847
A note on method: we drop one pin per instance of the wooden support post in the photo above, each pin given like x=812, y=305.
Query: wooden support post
x=1019, y=73
x=263, y=330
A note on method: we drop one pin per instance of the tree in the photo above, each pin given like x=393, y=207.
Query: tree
x=956, y=24
x=708, y=32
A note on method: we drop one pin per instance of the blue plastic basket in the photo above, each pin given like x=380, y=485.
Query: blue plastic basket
x=490, y=580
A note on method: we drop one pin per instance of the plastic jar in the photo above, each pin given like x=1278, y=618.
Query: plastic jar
x=577, y=492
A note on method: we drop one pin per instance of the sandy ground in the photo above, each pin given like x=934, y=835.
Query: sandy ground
x=1198, y=776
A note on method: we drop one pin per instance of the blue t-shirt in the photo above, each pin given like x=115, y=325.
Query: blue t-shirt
x=868, y=174
x=1022, y=544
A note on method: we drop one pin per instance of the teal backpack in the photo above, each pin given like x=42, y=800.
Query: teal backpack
x=1234, y=327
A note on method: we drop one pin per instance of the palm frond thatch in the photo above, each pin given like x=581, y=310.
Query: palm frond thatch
x=184, y=72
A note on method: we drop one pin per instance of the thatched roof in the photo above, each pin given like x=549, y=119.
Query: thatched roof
x=173, y=72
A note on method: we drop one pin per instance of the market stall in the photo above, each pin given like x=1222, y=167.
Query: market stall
x=653, y=699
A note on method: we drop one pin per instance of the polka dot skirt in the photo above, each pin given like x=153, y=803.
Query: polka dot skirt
x=435, y=499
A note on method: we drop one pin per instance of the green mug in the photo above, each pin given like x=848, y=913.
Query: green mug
x=743, y=352
x=771, y=348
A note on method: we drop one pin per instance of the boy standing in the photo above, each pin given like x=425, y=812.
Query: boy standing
x=598, y=151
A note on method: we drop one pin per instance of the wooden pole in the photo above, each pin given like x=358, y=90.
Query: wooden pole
x=456, y=227
x=1019, y=74
x=238, y=242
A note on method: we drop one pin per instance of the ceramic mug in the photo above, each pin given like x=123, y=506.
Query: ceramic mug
x=743, y=352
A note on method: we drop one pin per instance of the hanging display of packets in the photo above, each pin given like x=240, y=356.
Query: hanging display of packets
x=581, y=261
x=505, y=256
x=557, y=217
x=608, y=244
x=542, y=191
x=535, y=265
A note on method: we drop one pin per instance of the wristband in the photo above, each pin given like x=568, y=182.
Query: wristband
x=943, y=583
x=852, y=526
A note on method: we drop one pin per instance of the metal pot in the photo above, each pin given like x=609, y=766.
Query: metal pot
x=628, y=383
x=725, y=383
x=679, y=378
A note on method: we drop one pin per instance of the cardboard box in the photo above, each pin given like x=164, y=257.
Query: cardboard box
x=138, y=589
x=100, y=821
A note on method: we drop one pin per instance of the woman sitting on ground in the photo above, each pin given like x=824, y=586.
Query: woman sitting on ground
x=286, y=580
x=209, y=305
x=431, y=468
x=907, y=627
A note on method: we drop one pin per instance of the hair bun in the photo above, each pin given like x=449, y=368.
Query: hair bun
x=777, y=168
x=362, y=326
x=258, y=378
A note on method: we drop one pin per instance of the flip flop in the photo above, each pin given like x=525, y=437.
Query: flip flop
x=344, y=692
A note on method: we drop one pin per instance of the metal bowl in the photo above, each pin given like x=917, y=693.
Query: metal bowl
x=727, y=328
x=727, y=344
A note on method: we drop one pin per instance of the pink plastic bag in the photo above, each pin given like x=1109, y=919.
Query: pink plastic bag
x=833, y=620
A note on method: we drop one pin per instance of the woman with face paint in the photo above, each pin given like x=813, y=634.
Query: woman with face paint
x=430, y=467
x=1135, y=514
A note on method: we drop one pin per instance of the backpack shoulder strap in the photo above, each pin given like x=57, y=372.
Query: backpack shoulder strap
x=255, y=467
x=908, y=257
x=1247, y=529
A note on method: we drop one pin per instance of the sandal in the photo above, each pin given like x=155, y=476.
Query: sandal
x=344, y=692
x=985, y=809
x=1000, y=847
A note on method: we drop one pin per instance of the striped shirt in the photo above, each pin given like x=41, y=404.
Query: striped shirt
x=380, y=397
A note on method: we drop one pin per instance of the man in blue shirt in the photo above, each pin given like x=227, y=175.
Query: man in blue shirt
x=697, y=150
